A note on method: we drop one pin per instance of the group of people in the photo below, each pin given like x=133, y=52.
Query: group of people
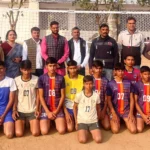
x=37, y=85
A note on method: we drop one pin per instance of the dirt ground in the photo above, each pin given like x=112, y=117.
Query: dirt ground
x=122, y=141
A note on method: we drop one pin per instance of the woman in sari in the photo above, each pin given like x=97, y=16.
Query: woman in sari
x=13, y=54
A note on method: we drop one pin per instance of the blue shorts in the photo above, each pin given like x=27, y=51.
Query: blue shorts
x=70, y=111
x=59, y=115
x=138, y=115
x=8, y=117
x=121, y=116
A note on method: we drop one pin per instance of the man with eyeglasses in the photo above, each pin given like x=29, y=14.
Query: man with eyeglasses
x=131, y=42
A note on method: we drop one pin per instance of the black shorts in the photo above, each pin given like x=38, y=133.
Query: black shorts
x=26, y=116
x=91, y=126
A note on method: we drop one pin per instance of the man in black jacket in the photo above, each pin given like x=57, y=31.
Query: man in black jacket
x=78, y=50
x=105, y=49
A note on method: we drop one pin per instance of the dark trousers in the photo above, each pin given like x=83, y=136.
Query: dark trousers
x=82, y=71
x=38, y=72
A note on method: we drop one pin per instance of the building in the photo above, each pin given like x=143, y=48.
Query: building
x=87, y=22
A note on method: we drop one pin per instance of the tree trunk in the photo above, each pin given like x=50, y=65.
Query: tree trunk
x=112, y=22
x=13, y=27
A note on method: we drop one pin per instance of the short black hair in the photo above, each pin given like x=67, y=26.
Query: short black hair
x=35, y=29
x=87, y=78
x=71, y=63
x=75, y=28
x=128, y=56
x=144, y=69
x=119, y=66
x=131, y=18
x=97, y=63
x=54, y=23
x=51, y=60
x=2, y=63
x=9, y=32
x=103, y=25
x=26, y=64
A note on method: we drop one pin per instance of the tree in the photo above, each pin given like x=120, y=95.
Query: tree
x=13, y=16
x=110, y=5
x=144, y=2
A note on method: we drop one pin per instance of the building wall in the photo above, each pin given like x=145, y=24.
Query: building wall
x=86, y=22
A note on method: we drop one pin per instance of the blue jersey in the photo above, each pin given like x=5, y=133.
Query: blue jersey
x=7, y=85
x=120, y=95
x=99, y=86
x=143, y=92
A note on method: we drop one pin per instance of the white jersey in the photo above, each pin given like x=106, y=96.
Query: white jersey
x=87, y=112
x=26, y=94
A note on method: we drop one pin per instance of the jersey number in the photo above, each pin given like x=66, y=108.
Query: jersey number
x=26, y=92
x=98, y=92
x=120, y=96
x=87, y=109
x=146, y=98
x=73, y=91
x=51, y=92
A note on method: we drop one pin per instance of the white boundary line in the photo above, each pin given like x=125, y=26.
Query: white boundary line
x=76, y=11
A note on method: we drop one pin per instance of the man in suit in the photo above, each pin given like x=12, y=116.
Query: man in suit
x=78, y=50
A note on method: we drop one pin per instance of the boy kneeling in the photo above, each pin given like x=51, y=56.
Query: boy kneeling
x=121, y=101
x=52, y=95
x=7, y=94
x=142, y=99
x=26, y=104
x=74, y=85
x=86, y=110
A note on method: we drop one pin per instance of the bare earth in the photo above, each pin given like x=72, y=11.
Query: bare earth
x=122, y=141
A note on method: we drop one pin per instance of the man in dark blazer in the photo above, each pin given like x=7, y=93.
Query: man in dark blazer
x=78, y=50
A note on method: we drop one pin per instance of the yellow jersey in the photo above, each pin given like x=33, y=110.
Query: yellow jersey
x=73, y=86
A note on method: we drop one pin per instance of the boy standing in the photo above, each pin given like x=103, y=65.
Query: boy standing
x=121, y=101
x=132, y=74
x=7, y=94
x=52, y=95
x=26, y=106
x=74, y=85
x=100, y=84
x=86, y=109
x=142, y=99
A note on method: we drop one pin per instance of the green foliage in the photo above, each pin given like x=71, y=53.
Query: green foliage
x=88, y=5
x=144, y=2
x=13, y=17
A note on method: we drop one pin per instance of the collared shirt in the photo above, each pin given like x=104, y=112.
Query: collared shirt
x=136, y=39
x=44, y=51
x=39, y=63
x=77, y=54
